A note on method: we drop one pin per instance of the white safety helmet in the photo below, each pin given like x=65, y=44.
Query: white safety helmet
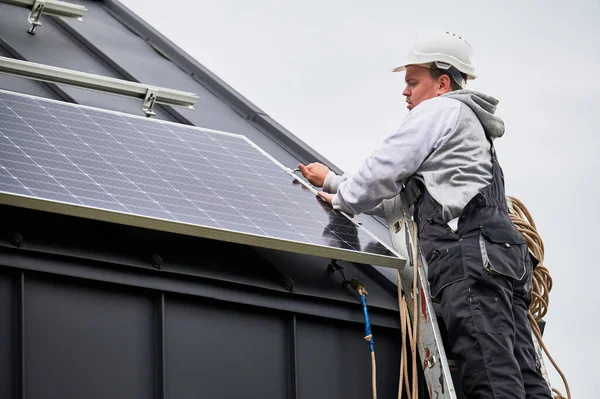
x=445, y=50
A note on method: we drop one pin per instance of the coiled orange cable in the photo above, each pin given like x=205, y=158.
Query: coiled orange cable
x=542, y=281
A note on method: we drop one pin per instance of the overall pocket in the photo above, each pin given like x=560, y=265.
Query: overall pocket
x=503, y=251
x=445, y=267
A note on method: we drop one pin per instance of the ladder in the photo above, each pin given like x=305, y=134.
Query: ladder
x=431, y=351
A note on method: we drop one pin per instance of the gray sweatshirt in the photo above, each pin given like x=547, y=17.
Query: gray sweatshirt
x=441, y=142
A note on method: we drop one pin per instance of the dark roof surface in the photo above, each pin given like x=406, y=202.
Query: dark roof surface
x=112, y=41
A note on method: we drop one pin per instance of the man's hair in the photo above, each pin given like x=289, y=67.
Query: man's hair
x=437, y=72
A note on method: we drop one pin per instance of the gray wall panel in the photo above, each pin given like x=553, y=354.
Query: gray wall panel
x=334, y=361
x=87, y=342
x=8, y=342
x=218, y=352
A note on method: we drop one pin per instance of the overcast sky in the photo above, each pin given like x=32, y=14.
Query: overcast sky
x=323, y=70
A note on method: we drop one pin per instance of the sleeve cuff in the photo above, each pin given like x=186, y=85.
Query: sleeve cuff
x=335, y=203
x=332, y=182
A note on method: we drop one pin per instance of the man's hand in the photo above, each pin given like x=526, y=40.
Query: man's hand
x=325, y=196
x=314, y=172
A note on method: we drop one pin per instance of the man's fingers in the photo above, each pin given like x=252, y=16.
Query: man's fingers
x=325, y=196
x=305, y=170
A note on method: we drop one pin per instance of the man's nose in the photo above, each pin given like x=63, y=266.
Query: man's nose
x=406, y=92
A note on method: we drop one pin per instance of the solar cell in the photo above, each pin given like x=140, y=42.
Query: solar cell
x=121, y=168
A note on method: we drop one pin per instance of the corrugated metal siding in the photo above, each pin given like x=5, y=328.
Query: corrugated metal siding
x=8, y=326
x=86, y=339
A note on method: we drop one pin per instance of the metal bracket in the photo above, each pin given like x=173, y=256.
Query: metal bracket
x=55, y=8
x=34, y=17
x=149, y=101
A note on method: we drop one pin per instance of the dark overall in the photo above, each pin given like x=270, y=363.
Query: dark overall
x=481, y=274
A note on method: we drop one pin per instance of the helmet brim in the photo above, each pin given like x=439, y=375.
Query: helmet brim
x=403, y=68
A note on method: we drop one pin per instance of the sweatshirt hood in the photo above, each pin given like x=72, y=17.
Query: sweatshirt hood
x=484, y=107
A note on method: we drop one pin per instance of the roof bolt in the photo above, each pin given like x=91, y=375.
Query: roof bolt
x=16, y=239
x=156, y=261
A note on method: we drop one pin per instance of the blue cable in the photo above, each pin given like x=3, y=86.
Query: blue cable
x=367, y=323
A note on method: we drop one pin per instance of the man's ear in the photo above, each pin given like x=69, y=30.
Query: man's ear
x=444, y=85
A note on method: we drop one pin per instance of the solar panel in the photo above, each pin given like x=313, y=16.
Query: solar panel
x=128, y=169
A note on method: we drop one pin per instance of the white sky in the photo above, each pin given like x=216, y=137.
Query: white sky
x=322, y=70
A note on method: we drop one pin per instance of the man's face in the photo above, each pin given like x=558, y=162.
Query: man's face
x=420, y=86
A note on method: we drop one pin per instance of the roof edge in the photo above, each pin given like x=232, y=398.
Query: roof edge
x=215, y=85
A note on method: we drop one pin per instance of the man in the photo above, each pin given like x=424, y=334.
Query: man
x=479, y=267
